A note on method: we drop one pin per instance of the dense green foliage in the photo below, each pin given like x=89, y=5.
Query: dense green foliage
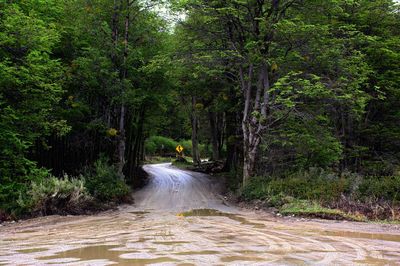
x=322, y=188
x=269, y=89
x=30, y=88
x=160, y=145
x=326, y=68
x=300, y=85
x=77, y=79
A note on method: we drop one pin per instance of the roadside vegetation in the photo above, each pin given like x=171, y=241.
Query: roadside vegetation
x=319, y=194
x=98, y=188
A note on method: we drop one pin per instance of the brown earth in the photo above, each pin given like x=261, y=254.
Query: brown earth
x=163, y=229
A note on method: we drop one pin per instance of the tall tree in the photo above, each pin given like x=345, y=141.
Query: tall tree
x=30, y=89
x=268, y=45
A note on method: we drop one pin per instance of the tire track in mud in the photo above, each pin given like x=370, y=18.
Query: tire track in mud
x=275, y=242
x=201, y=240
x=147, y=233
x=286, y=242
x=327, y=248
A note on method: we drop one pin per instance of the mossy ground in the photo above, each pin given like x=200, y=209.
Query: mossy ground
x=311, y=209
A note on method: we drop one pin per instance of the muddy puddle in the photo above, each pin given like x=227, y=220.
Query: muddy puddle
x=203, y=232
x=217, y=213
x=372, y=236
x=31, y=250
x=105, y=254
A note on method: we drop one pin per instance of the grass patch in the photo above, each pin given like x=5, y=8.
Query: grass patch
x=183, y=163
x=394, y=222
x=158, y=159
x=312, y=209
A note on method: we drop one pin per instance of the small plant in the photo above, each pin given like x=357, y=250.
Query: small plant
x=57, y=196
x=11, y=190
x=104, y=183
x=380, y=188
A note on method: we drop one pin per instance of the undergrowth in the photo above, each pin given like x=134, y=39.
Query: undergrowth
x=57, y=196
x=316, y=193
x=104, y=183
x=98, y=188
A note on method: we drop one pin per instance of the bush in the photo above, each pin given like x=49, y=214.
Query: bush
x=383, y=167
x=312, y=185
x=12, y=187
x=372, y=197
x=203, y=149
x=104, y=183
x=256, y=189
x=379, y=189
x=150, y=147
x=187, y=146
x=57, y=196
x=159, y=145
x=50, y=195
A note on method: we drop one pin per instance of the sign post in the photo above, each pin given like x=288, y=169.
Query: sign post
x=179, y=149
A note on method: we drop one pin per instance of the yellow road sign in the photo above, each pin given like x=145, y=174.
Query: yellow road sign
x=179, y=148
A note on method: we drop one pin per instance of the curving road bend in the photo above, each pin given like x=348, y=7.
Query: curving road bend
x=154, y=232
x=172, y=189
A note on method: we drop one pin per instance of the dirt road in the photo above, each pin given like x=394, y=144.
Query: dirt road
x=155, y=231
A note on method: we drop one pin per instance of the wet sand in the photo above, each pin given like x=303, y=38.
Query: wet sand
x=178, y=220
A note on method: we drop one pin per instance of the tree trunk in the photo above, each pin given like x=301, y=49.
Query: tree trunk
x=135, y=141
x=232, y=133
x=122, y=137
x=248, y=165
x=250, y=149
x=214, y=136
x=253, y=126
x=246, y=84
x=121, y=142
x=114, y=23
x=231, y=141
x=195, y=138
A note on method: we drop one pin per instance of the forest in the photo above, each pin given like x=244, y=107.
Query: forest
x=295, y=103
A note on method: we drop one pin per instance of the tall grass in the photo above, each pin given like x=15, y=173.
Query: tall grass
x=97, y=187
x=57, y=196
